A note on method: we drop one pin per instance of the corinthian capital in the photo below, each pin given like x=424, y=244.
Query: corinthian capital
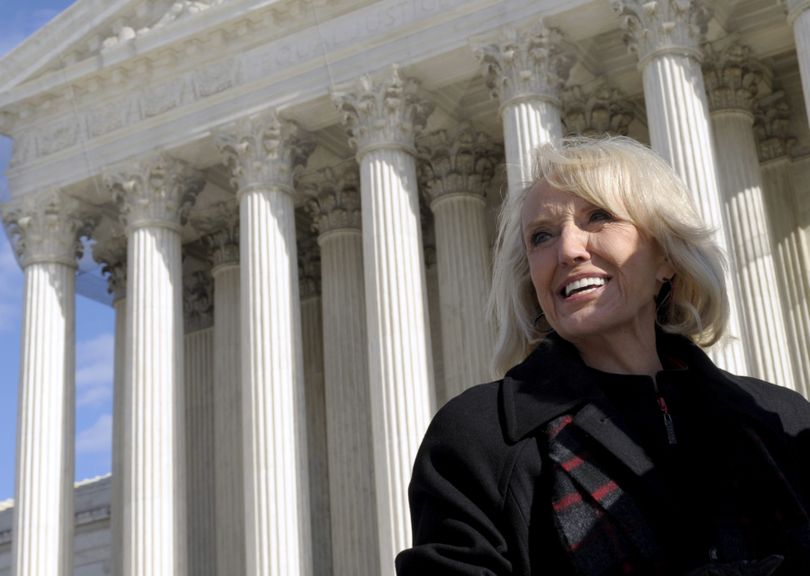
x=46, y=227
x=525, y=62
x=461, y=162
x=198, y=300
x=220, y=227
x=110, y=250
x=772, y=128
x=264, y=152
x=663, y=26
x=156, y=190
x=386, y=110
x=733, y=78
x=335, y=199
x=602, y=110
x=309, y=267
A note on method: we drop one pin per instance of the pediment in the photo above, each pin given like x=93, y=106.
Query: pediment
x=88, y=29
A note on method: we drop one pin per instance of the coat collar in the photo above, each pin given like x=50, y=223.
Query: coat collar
x=553, y=380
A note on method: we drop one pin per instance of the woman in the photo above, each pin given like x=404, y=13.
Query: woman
x=614, y=445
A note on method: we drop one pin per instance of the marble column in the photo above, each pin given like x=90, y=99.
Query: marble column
x=223, y=244
x=434, y=313
x=732, y=80
x=665, y=35
x=335, y=209
x=264, y=152
x=459, y=169
x=382, y=115
x=799, y=20
x=525, y=69
x=45, y=229
x=198, y=312
x=155, y=194
x=309, y=278
x=791, y=256
x=596, y=112
x=111, y=253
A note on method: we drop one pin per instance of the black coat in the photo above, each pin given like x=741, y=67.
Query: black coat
x=483, y=483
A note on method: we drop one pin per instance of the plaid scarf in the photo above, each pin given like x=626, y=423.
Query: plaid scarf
x=602, y=529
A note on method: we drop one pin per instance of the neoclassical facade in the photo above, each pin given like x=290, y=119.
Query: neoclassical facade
x=293, y=205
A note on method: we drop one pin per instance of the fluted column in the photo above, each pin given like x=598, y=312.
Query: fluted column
x=733, y=79
x=459, y=170
x=596, y=112
x=198, y=312
x=223, y=243
x=155, y=194
x=263, y=152
x=525, y=69
x=335, y=208
x=665, y=35
x=45, y=229
x=790, y=252
x=799, y=20
x=111, y=253
x=309, y=278
x=382, y=116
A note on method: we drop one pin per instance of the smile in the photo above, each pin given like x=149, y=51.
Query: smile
x=583, y=285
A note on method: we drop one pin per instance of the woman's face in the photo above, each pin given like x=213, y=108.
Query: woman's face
x=594, y=275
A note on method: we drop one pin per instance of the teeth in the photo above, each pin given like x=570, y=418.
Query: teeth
x=584, y=283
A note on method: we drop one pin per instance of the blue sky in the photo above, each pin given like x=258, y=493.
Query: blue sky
x=94, y=322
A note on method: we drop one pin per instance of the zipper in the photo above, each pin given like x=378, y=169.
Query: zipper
x=668, y=425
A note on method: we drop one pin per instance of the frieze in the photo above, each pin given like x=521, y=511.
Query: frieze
x=164, y=97
x=60, y=135
x=216, y=77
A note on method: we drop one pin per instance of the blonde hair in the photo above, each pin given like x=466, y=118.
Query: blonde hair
x=633, y=183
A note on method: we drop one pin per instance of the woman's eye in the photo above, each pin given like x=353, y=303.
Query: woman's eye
x=600, y=215
x=538, y=237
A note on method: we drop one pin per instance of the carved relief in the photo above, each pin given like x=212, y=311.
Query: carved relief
x=383, y=110
x=603, y=110
x=111, y=117
x=525, y=62
x=155, y=190
x=462, y=162
x=661, y=26
x=46, y=227
x=335, y=199
x=59, y=135
x=263, y=151
x=163, y=97
x=215, y=78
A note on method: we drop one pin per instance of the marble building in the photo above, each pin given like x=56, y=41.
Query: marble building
x=291, y=204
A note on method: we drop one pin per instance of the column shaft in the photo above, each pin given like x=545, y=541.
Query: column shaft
x=351, y=469
x=201, y=472
x=801, y=34
x=790, y=260
x=399, y=360
x=119, y=429
x=462, y=254
x=230, y=499
x=43, y=505
x=277, y=530
x=527, y=124
x=764, y=333
x=154, y=483
x=677, y=113
x=317, y=449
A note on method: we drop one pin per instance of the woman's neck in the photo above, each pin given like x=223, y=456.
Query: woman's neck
x=623, y=353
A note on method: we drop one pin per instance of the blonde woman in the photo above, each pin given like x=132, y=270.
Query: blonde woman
x=613, y=445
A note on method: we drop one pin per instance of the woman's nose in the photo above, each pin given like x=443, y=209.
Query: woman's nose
x=573, y=245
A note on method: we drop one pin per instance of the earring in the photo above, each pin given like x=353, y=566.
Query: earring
x=540, y=316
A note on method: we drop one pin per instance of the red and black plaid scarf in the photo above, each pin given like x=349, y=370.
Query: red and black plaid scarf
x=601, y=527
